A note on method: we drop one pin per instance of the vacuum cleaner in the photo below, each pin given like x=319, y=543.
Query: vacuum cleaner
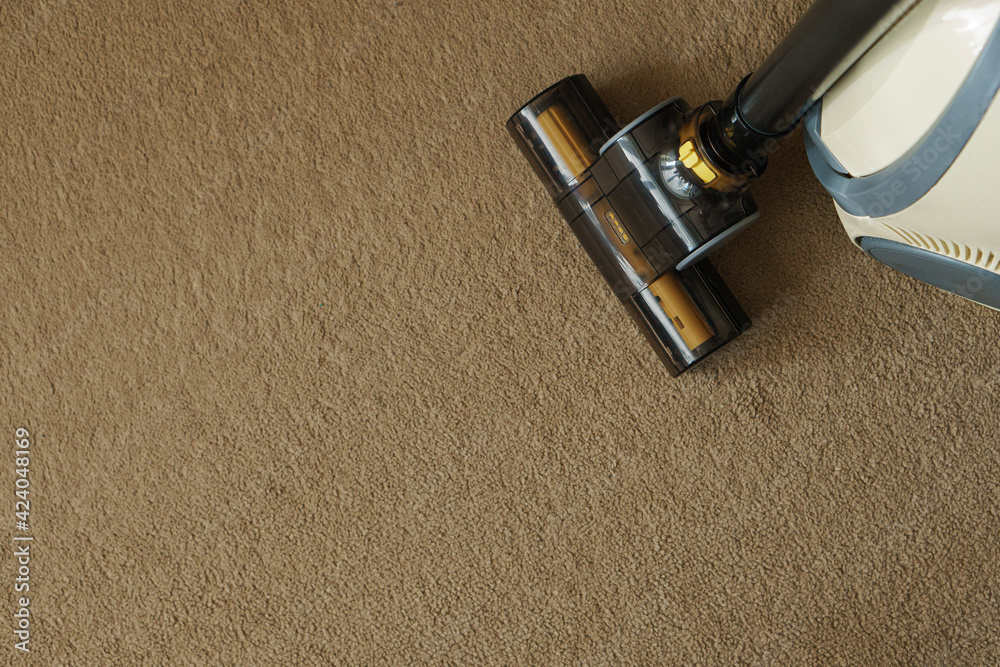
x=896, y=99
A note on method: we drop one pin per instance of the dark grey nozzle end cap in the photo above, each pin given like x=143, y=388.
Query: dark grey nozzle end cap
x=561, y=132
x=688, y=315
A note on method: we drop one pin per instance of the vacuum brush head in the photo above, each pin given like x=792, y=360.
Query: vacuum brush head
x=638, y=201
x=649, y=202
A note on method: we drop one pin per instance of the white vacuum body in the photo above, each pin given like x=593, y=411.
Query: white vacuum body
x=906, y=143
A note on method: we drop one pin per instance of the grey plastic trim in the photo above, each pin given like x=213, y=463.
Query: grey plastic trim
x=719, y=241
x=905, y=182
x=637, y=122
x=951, y=275
x=813, y=125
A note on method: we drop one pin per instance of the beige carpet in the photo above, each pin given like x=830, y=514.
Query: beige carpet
x=316, y=374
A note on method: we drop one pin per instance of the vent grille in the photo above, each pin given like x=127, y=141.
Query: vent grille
x=977, y=256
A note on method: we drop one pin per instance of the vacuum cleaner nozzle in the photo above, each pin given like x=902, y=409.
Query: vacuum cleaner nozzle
x=651, y=201
x=638, y=201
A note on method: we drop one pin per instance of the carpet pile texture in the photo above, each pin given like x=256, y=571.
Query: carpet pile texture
x=316, y=374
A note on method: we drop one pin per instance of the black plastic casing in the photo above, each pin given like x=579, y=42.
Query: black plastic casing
x=608, y=185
